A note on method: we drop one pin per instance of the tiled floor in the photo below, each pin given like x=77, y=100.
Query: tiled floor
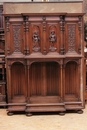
x=70, y=121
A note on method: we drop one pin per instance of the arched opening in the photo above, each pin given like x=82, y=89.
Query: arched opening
x=72, y=85
x=18, y=80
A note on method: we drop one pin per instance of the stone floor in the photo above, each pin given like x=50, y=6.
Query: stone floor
x=46, y=121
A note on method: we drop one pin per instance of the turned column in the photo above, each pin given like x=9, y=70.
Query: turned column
x=28, y=80
x=9, y=83
x=61, y=80
x=62, y=34
x=7, y=35
x=44, y=90
x=44, y=36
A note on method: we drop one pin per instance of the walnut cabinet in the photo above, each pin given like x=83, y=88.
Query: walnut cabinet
x=44, y=60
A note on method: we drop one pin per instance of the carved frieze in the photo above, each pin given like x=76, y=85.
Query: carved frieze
x=16, y=38
x=71, y=37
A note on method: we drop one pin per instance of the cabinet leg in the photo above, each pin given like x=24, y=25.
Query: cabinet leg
x=10, y=113
x=28, y=114
x=62, y=113
x=80, y=111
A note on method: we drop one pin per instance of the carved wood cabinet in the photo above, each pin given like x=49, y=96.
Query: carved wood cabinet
x=44, y=60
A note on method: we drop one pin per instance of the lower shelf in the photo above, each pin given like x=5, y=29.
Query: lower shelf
x=43, y=104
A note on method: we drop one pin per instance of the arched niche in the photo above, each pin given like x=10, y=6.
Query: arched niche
x=72, y=75
x=18, y=79
x=44, y=79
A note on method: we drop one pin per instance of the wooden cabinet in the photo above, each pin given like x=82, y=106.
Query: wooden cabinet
x=44, y=60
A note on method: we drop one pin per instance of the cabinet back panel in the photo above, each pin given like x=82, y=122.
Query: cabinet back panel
x=44, y=79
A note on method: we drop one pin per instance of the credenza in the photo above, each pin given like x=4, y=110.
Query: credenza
x=45, y=62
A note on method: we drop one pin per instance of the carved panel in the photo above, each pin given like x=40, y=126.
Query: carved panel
x=53, y=38
x=36, y=38
x=16, y=38
x=71, y=37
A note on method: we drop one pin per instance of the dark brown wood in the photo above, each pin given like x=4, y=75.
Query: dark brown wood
x=44, y=60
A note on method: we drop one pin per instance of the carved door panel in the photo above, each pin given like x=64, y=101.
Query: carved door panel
x=53, y=37
x=71, y=37
x=17, y=38
x=35, y=37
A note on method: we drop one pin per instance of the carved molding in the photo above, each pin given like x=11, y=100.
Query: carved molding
x=77, y=61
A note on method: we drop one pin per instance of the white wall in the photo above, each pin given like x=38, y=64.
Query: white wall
x=34, y=0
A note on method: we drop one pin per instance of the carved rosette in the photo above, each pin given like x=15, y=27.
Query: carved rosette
x=71, y=37
x=36, y=41
x=52, y=40
x=16, y=38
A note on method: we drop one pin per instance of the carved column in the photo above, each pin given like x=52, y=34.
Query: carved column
x=81, y=81
x=62, y=34
x=28, y=79
x=80, y=34
x=25, y=78
x=44, y=35
x=44, y=90
x=24, y=23
x=27, y=35
x=9, y=83
x=61, y=76
x=8, y=35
